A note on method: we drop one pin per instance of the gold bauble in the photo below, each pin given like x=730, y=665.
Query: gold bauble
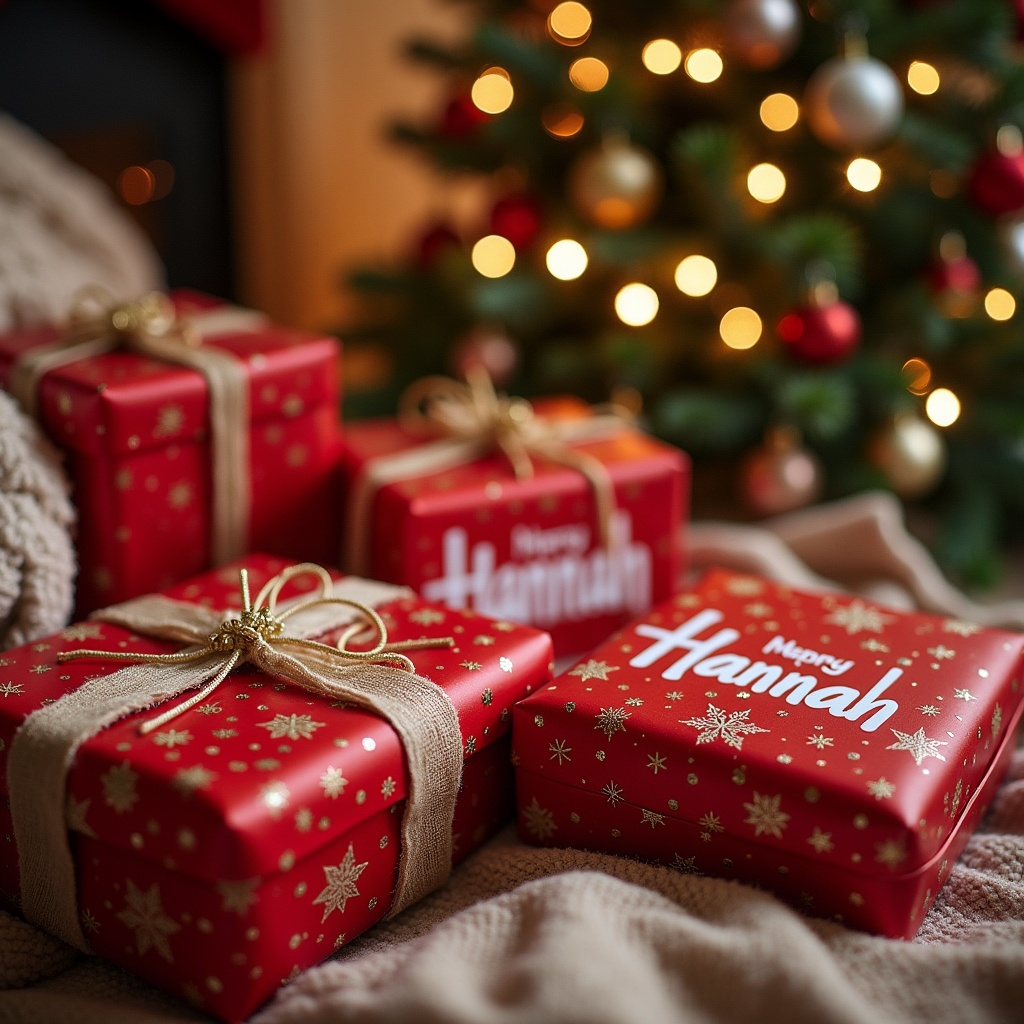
x=911, y=454
x=781, y=475
x=616, y=186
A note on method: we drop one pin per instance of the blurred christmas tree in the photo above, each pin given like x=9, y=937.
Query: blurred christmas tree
x=797, y=231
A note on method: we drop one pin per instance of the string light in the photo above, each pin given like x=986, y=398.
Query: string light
x=569, y=23
x=562, y=120
x=589, y=74
x=1000, y=304
x=779, y=112
x=740, y=328
x=493, y=256
x=864, y=174
x=923, y=78
x=492, y=92
x=136, y=185
x=704, y=65
x=942, y=407
x=696, y=275
x=636, y=304
x=918, y=375
x=566, y=259
x=661, y=56
x=766, y=183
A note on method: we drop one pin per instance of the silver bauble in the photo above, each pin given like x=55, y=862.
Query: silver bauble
x=911, y=453
x=615, y=186
x=853, y=103
x=762, y=33
x=1011, y=235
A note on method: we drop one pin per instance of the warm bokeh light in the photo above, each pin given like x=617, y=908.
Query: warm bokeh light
x=766, y=183
x=566, y=259
x=943, y=184
x=696, y=275
x=918, y=375
x=779, y=112
x=704, y=65
x=569, y=23
x=562, y=120
x=864, y=174
x=636, y=304
x=923, y=78
x=136, y=185
x=589, y=74
x=661, y=56
x=1000, y=304
x=740, y=328
x=492, y=92
x=942, y=407
x=493, y=256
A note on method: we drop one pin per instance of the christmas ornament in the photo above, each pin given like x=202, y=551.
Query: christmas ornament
x=461, y=118
x=996, y=182
x=954, y=277
x=617, y=186
x=487, y=347
x=853, y=101
x=517, y=218
x=1011, y=237
x=781, y=475
x=911, y=454
x=823, y=329
x=433, y=243
x=762, y=33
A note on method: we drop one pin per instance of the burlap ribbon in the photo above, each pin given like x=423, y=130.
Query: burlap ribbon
x=98, y=324
x=276, y=640
x=467, y=421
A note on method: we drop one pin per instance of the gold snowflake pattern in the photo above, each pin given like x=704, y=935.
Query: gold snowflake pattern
x=145, y=916
x=169, y=420
x=224, y=734
x=673, y=695
x=930, y=710
x=172, y=738
x=960, y=628
x=917, y=745
x=341, y=883
x=483, y=640
x=591, y=669
x=82, y=631
x=180, y=495
x=293, y=727
x=997, y=719
x=303, y=819
x=612, y=793
x=39, y=670
x=731, y=728
x=89, y=922
x=190, y=780
x=75, y=812
x=882, y=788
x=963, y=694
x=388, y=787
x=11, y=689
x=332, y=782
x=427, y=616
x=766, y=815
x=941, y=652
x=891, y=853
x=560, y=751
x=471, y=666
x=119, y=788
x=504, y=627
x=758, y=609
x=711, y=823
x=744, y=586
x=213, y=708
x=821, y=841
x=539, y=821
x=871, y=644
x=651, y=818
x=657, y=762
x=819, y=742
x=612, y=720
x=634, y=702
x=238, y=897
x=859, y=617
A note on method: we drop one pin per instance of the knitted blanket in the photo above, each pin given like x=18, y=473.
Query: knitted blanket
x=522, y=935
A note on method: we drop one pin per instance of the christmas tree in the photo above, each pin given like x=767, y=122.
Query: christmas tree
x=793, y=232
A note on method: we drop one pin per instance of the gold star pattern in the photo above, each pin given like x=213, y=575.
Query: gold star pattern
x=332, y=782
x=504, y=627
x=758, y=609
x=238, y=897
x=731, y=728
x=189, y=780
x=169, y=420
x=303, y=819
x=559, y=750
x=963, y=694
x=685, y=865
x=917, y=745
x=74, y=816
x=180, y=495
x=819, y=742
x=711, y=823
x=483, y=640
x=859, y=617
x=656, y=762
x=294, y=727
x=119, y=788
x=882, y=788
x=744, y=586
x=891, y=853
x=145, y=916
x=341, y=883
x=427, y=616
x=871, y=644
x=172, y=738
x=612, y=720
x=591, y=669
x=471, y=666
x=612, y=793
x=941, y=652
x=960, y=628
x=821, y=841
x=766, y=815
x=89, y=922
x=651, y=818
x=673, y=695
x=928, y=709
x=539, y=821
x=11, y=689
x=388, y=787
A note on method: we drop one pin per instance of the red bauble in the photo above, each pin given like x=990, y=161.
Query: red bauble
x=821, y=334
x=461, y=118
x=996, y=184
x=957, y=275
x=433, y=243
x=517, y=218
x=490, y=348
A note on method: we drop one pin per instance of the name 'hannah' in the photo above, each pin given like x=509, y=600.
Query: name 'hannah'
x=762, y=677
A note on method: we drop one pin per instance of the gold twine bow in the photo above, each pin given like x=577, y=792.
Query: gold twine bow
x=260, y=629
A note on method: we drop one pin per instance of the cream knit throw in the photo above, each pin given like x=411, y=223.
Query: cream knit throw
x=37, y=559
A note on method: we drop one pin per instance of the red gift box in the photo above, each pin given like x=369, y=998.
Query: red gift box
x=135, y=432
x=528, y=550
x=833, y=751
x=251, y=836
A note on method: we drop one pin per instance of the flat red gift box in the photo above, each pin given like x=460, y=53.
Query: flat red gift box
x=833, y=751
x=135, y=436
x=202, y=849
x=528, y=550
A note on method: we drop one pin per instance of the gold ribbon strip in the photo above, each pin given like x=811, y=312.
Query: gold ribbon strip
x=381, y=680
x=149, y=326
x=466, y=421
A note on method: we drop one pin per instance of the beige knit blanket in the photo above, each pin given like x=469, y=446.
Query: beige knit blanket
x=526, y=936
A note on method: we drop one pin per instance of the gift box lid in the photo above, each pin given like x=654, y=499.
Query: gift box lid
x=255, y=778
x=816, y=723
x=124, y=402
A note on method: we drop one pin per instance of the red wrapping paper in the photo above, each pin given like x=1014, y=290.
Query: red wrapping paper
x=528, y=550
x=134, y=432
x=253, y=835
x=833, y=751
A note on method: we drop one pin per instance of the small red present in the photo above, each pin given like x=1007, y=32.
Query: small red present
x=194, y=432
x=833, y=751
x=248, y=837
x=545, y=514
